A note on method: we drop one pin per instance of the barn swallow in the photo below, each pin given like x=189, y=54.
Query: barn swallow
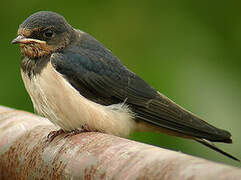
x=76, y=82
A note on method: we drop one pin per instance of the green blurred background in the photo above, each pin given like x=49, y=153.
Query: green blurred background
x=189, y=50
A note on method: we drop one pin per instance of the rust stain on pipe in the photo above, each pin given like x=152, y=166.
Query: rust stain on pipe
x=26, y=153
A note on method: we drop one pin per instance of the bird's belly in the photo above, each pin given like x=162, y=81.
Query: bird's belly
x=54, y=98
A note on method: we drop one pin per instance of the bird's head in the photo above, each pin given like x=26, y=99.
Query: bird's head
x=42, y=33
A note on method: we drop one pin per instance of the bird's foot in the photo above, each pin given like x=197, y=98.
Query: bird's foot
x=83, y=129
x=54, y=134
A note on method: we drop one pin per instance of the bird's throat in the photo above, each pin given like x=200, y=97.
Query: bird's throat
x=35, y=66
x=35, y=50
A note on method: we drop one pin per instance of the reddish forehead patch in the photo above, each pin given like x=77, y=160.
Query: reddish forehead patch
x=26, y=32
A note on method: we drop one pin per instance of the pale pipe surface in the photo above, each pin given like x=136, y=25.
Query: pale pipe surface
x=25, y=153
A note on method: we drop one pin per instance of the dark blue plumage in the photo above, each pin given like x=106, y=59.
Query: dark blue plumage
x=46, y=19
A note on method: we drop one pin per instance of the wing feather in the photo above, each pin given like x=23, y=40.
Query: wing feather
x=99, y=76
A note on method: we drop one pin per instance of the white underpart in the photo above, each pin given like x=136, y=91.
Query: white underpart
x=54, y=98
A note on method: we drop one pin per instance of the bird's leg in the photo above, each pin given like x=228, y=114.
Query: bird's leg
x=54, y=134
x=84, y=128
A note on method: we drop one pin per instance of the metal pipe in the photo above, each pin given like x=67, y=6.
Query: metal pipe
x=26, y=153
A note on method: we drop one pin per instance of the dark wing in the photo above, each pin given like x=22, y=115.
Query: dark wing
x=99, y=76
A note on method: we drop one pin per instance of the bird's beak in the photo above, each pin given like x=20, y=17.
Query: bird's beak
x=23, y=40
x=18, y=39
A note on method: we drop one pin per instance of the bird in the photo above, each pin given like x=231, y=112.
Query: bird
x=79, y=84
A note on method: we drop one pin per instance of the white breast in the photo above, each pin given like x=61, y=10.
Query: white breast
x=54, y=98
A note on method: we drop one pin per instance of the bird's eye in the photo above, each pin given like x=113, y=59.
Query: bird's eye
x=49, y=33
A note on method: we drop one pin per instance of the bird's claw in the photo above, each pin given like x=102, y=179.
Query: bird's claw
x=78, y=131
x=54, y=134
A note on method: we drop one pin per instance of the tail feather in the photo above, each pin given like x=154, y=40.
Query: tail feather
x=215, y=148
